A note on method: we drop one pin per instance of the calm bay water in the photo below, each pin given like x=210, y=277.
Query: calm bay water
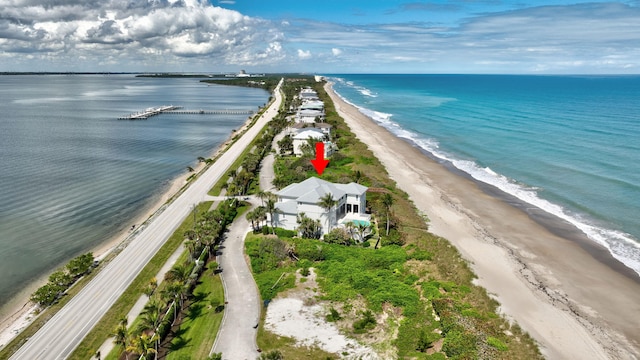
x=72, y=176
x=566, y=144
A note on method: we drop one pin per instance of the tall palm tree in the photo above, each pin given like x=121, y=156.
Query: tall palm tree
x=271, y=208
x=150, y=319
x=252, y=216
x=143, y=345
x=174, y=292
x=191, y=246
x=261, y=194
x=179, y=273
x=387, y=201
x=121, y=334
x=327, y=202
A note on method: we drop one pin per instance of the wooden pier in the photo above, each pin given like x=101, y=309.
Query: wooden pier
x=171, y=109
x=211, y=112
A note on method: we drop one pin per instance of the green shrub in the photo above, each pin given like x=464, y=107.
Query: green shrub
x=304, y=272
x=496, y=343
x=367, y=322
x=459, y=343
x=333, y=315
x=284, y=233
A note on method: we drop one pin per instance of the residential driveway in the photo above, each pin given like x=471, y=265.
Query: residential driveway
x=237, y=335
x=266, y=173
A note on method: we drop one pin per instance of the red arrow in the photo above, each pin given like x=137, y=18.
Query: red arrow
x=320, y=162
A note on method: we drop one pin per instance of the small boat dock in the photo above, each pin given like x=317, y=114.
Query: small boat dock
x=171, y=109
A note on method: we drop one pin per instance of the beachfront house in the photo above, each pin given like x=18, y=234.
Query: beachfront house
x=324, y=127
x=304, y=197
x=309, y=136
x=309, y=116
x=308, y=94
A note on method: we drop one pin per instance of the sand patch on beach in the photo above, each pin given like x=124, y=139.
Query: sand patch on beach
x=298, y=315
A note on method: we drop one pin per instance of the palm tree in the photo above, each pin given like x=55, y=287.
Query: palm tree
x=350, y=228
x=143, y=346
x=327, y=203
x=121, y=334
x=150, y=320
x=174, y=292
x=387, y=201
x=261, y=194
x=271, y=208
x=253, y=217
x=191, y=246
x=179, y=273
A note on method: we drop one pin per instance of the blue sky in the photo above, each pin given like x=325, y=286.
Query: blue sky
x=330, y=36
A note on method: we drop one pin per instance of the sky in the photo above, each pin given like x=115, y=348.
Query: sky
x=321, y=36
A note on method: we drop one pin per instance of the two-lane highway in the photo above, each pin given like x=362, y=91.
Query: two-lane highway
x=62, y=334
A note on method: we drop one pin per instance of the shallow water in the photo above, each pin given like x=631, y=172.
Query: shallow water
x=72, y=176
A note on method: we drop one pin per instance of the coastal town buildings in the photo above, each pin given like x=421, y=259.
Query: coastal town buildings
x=304, y=197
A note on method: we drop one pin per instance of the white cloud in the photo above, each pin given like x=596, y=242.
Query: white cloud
x=573, y=38
x=157, y=32
x=304, y=54
x=171, y=34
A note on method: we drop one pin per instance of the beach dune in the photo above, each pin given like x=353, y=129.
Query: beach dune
x=568, y=293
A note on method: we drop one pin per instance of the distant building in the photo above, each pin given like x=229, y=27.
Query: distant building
x=304, y=197
x=243, y=74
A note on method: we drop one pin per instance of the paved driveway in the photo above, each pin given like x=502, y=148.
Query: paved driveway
x=237, y=335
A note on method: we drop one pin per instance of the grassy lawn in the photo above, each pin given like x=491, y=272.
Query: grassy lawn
x=109, y=321
x=198, y=331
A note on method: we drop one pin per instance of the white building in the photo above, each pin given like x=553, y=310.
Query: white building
x=312, y=105
x=309, y=116
x=304, y=197
x=303, y=136
x=324, y=127
x=308, y=94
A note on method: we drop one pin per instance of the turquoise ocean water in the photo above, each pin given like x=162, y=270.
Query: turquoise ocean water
x=569, y=145
x=72, y=176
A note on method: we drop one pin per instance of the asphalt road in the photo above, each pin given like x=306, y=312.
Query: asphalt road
x=61, y=335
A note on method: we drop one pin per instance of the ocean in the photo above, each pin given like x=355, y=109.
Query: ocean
x=72, y=176
x=568, y=145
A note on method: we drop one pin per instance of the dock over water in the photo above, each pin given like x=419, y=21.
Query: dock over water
x=171, y=109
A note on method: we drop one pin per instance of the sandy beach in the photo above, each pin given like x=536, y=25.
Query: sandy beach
x=19, y=311
x=567, y=292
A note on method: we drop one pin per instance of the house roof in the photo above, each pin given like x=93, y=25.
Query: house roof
x=287, y=207
x=302, y=125
x=313, y=189
x=312, y=105
x=309, y=133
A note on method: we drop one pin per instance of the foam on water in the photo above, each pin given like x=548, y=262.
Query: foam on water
x=621, y=245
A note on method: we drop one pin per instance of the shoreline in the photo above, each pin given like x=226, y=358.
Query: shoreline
x=18, y=312
x=553, y=286
x=552, y=223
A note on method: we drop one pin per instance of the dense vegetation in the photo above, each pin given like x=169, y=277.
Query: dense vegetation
x=62, y=279
x=418, y=282
x=263, y=82
x=178, y=309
